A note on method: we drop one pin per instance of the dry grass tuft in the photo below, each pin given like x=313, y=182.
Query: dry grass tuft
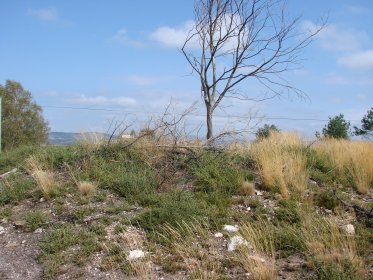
x=86, y=188
x=45, y=179
x=349, y=159
x=247, y=188
x=259, y=257
x=282, y=162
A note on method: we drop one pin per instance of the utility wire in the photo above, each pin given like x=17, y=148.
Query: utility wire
x=196, y=115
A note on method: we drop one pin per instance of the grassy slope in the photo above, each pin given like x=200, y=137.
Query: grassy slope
x=171, y=202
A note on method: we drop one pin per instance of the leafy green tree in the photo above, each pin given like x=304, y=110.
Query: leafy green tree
x=265, y=131
x=22, y=120
x=366, y=129
x=337, y=127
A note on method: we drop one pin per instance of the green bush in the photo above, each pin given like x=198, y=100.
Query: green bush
x=327, y=199
x=214, y=172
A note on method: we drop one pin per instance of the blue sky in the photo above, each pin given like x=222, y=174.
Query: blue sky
x=123, y=56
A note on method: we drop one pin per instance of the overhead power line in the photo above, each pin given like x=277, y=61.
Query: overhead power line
x=196, y=115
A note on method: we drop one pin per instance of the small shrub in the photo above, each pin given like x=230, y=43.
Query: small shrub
x=327, y=199
x=35, y=220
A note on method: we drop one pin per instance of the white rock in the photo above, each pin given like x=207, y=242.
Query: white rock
x=236, y=241
x=2, y=229
x=218, y=235
x=230, y=228
x=259, y=193
x=42, y=199
x=312, y=182
x=248, y=209
x=350, y=229
x=135, y=254
x=23, y=241
x=39, y=230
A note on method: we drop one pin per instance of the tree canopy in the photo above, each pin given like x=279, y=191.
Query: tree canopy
x=22, y=119
x=337, y=127
x=366, y=129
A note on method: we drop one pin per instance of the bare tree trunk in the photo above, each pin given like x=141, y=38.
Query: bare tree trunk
x=209, y=122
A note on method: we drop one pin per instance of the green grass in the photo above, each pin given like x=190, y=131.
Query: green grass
x=35, y=220
x=16, y=188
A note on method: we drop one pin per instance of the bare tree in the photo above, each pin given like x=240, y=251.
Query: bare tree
x=233, y=40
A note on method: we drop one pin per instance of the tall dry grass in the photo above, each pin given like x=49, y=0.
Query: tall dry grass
x=259, y=257
x=349, y=160
x=45, y=179
x=281, y=162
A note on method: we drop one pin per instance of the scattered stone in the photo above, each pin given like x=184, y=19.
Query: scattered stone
x=135, y=254
x=23, y=241
x=258, y=193
x=312, y=182
x=328, y=211
x=2, y=230
x=39, y=230
x=350, y=229
x=218, y=235
x=230, y=228
x=236, y=241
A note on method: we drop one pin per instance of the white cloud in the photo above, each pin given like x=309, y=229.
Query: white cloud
x=49, y=14
x=172, y=37
x=337, y=37
x=122, y=37
x=360, y=60
x=102, y=100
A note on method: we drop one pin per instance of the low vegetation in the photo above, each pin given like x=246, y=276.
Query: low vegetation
x=146, y=210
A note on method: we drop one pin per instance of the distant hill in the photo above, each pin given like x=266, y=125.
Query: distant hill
x=70, y=138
